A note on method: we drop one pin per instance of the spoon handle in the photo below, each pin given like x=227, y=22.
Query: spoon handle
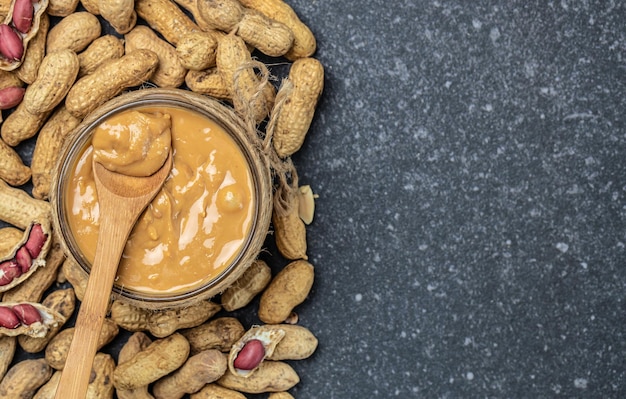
x=111, y=240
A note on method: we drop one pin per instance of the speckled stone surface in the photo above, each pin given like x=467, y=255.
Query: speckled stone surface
x=469, y=240
x=470, y=233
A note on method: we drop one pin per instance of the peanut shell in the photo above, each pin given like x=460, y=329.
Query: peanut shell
x=63, y=302
x=208, y=82
x=220, y=333
x=270, y=37
x=250, y=284
x=101, y=50
x=199, y=370
x=268, y=335
x=169, y=72
x=289, y=288
x=214, y=391
x=294, y=117
x=41, y=225
x=160, y=358
x=36, y=50
x=75, y=32
x=162, y=323
x=12, y=169
x=40, y=7
x=24, y=378
x=55, y=77
x=271, y=376
x=304, y=43
x=109, y=80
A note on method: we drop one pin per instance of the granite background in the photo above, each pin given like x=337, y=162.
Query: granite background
x=469, y=236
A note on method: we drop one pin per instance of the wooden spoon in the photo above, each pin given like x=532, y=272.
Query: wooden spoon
x=121, y=200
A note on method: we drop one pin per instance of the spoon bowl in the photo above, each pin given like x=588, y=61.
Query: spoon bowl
x=121, y=200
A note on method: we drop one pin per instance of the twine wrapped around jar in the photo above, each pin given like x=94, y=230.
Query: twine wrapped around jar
x=283, y=170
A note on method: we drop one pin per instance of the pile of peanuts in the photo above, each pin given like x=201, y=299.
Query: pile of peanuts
x=57, y=65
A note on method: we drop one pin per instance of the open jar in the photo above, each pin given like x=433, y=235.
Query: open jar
x=205, y=227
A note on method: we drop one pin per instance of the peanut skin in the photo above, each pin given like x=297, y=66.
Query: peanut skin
x=23, y=12
x=11, y=44
x=289, y=288
x=11, y=96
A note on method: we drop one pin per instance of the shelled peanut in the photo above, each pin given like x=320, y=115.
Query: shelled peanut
x=170, y=44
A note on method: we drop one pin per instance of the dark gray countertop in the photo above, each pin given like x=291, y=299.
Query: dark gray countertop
x=469, y=237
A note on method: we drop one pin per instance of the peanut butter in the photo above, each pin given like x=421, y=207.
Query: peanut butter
x=197, y=224
x=133, y=143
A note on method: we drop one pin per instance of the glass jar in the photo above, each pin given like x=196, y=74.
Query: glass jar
x=224, y=117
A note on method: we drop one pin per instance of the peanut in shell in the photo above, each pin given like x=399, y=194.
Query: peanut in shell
x=289, y=288
x=75, y=32
x=302, y=91
x=56, y=75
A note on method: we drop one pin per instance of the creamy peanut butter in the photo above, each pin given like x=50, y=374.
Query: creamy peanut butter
x=199, y=221
x=133, y=143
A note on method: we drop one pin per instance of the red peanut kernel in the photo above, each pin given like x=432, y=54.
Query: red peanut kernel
x=8, y=318
x=250, y=355
x=27, y=313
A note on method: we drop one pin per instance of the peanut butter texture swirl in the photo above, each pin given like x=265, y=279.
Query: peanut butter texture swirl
x=133, y=143
x=196, y=225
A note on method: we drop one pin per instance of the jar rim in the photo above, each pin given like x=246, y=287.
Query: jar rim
x=233, y=125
